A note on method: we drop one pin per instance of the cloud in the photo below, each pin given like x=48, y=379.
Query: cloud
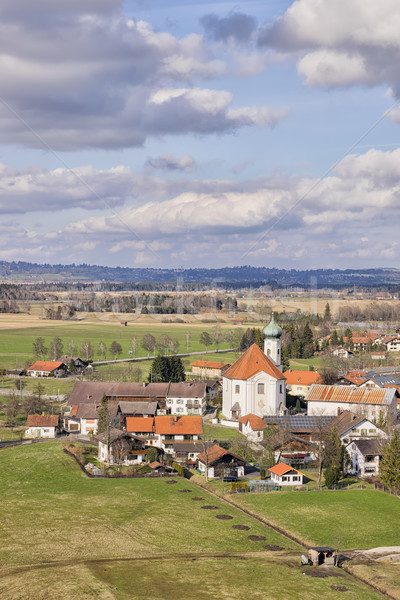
x=168, y=162
x=95, y=79
x=340, y=43
x=237, y=26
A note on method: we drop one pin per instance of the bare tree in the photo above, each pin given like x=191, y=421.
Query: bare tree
x=102, y=349
x=187, y=335
x=87, y=350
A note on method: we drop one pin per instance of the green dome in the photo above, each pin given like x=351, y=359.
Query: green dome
x=272, y=330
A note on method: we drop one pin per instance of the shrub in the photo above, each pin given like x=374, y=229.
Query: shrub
x=239, y=485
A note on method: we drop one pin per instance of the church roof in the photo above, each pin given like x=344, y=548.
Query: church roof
x=251, y=362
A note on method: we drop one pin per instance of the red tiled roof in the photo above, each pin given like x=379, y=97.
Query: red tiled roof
x=251, y=362
x=282, y=468
x=140, y=424
x=178, y=425
x=42, y=420
x=43, y=365
x=74, y=410
x=348, y=394
x=208, y=364
x=302, y=377
x=256, y=423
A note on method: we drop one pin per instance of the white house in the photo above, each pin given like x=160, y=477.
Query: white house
x=252, y=427
x=121, y=448
x=163, y=432
x=365, y=456
x=187, y=398
x=283, y=475
x=219, y=462
x=42, y=426
x=351, y=426
x=255, y=384
x=44, y=368
x=333, y=399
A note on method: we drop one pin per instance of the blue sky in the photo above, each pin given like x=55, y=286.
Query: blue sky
x=179, y=134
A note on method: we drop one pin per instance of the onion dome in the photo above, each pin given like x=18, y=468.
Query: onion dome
x=272, y=330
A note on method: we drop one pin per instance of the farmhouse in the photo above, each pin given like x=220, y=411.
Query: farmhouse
x=219, y=462
x=186, y=398
x=291, y=448
x=121, y=448
x=42, y=426
x=207, y=368
x=43, y=368
x=351, y=426
x=365, y=457
x=283, y=474
x=333, y=399
x=255, y=384
x=163, y=432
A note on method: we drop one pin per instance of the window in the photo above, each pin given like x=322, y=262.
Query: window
x=280, y=388
x=237, y=389
x=284, y=478
x=179, y=410
x=170, y=401
x=179, y=401
x=260, y=388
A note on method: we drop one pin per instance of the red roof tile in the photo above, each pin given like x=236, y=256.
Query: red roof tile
x=42, y=420
x=348, y=394
x=282, y=468
x=294, y=377
x=251, y=362
x=256, y=423
x=140, y=424
x=178, y=425
x=43, y=365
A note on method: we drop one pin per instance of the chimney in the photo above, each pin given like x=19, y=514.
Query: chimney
x=144, y=384
x=175, y=419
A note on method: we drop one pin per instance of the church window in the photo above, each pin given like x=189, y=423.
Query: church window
x=269, y=351
x=280, y=388
x=260, y=388
x=237, y=389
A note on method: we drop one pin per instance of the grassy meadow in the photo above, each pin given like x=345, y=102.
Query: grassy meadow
x=64, y=535
x=351, y=518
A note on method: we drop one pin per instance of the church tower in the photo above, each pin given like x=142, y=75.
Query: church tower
x=272, y=342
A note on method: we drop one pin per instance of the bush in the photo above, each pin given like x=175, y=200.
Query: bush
x=239, y=485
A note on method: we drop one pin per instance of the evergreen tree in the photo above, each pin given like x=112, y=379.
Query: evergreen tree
x=307, y=337
x=103, y=423
x=327, y=312
x=159, y=370
x=248, y=339
x=390, y=464
x=177, y=370
x=334, y=340
x=258, y=338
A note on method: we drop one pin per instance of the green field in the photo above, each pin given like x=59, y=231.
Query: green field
x=222, y=434
x=351, y=518
x=64, y=535
x=16, y=343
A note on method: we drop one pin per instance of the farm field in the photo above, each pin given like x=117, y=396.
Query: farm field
x=16, y=337
x=64, y=535
x=351, y=518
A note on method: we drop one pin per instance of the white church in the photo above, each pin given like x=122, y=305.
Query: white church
x=255, y=384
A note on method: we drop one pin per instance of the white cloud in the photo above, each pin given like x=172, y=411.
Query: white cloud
x=345, y=42
x=83, y=75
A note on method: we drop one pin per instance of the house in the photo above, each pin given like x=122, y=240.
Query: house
x=42, y=426
x=208, y=368
x=135, y=409
x=332, y=399
x=255, y=384
x=291, y=448
x=219, y=462
x=299, y=382
x=124, y=323
x=378, y=355
x=353, y=378
x=163, y=432
x=75, y=361
x=283, y=475
x=374, y=380
x=121, y=448
x=157, y=467
x=43, y=368
x=252, y=427
x=305, y=427
x=351, y=426
x=187, y=451
x=341, y=352
x=365, y=456
x=186, y=398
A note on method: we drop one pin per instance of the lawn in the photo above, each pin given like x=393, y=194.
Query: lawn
x=78, y=538
x=353, y=518
x=222, y=434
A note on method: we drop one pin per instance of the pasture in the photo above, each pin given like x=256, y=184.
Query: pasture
x=66, y=536
x=351, y=518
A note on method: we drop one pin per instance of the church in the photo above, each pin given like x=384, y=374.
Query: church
x=255, y=384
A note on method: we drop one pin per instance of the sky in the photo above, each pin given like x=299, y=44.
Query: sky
x=161, y=133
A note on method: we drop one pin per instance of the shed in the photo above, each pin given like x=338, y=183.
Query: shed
x=322, y=555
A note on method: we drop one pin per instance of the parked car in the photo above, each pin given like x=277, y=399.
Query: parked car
x=231, y=478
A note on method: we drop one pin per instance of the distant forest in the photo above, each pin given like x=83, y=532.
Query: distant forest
x=134, y=279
